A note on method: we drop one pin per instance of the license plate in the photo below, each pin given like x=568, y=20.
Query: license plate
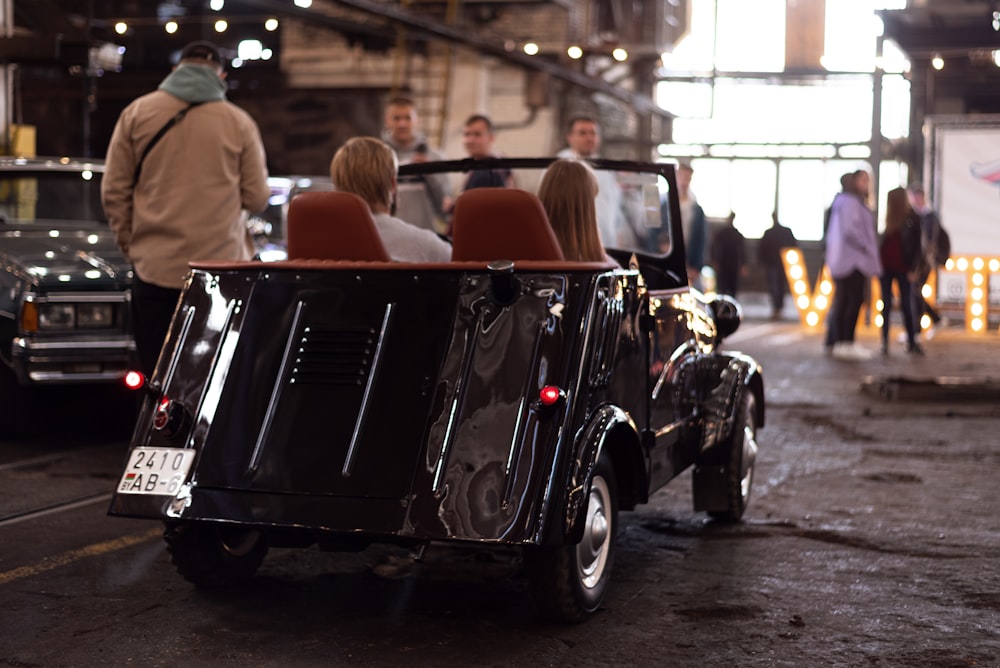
x=156, y=471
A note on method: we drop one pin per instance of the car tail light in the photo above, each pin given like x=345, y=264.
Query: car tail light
x=134, y=380
x=550, y=395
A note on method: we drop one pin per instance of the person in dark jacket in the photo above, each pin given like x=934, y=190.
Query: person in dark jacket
x=478, y=136
x=773, y=240
x=930, y=224
x=900, y=252
x=728, y=254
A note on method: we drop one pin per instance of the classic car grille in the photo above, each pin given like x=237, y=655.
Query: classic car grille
x=340, y=357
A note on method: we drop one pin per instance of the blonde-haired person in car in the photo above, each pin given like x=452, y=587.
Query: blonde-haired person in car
x=367, y=167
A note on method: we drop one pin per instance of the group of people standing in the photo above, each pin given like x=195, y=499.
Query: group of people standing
x=190, y=197
x=902, y=259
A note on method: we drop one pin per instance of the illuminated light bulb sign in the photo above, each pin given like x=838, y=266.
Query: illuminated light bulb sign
x=812, y=303
x=964, y=281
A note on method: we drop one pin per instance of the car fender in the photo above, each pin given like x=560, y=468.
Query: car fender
x=737, y=375
x=608, y=429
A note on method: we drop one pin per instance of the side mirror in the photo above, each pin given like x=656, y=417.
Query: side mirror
x=728, y=314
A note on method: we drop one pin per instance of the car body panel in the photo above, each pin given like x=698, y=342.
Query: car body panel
x=401, y=402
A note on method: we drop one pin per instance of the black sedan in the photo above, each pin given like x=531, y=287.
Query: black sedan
x=64, y=286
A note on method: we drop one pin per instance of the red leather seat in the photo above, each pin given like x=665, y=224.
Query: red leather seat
x=333, y=226
x=502, y=224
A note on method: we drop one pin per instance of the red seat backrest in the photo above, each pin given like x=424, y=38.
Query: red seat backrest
x=502, y=224
x=333, y=226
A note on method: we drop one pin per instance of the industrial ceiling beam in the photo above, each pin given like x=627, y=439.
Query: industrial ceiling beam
x=641, y=103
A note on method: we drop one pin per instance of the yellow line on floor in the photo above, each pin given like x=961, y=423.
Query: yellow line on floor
x=67, y=558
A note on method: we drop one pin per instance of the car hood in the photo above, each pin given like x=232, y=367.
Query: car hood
x=64, y=257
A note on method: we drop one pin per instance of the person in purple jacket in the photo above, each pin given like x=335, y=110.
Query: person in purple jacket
x=852, y=257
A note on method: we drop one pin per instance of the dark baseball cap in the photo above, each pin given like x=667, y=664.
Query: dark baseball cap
x=203, y=51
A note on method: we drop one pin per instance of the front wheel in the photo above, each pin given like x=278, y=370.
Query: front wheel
x=209, y=555
x=569, y=582
x=740, y=461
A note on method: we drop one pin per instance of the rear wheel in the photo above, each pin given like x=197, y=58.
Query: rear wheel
x=740, y=462
x=569, y=582
x=211, y=555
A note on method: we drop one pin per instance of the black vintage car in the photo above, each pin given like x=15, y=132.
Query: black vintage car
x=64, y=286
x=508, y=398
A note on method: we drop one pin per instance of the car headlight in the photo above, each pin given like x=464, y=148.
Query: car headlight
x=96, y=316
x=56, y=316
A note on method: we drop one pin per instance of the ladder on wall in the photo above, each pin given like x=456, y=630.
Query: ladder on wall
x=426, y=76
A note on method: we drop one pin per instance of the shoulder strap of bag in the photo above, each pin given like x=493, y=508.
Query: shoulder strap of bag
x=159, y=135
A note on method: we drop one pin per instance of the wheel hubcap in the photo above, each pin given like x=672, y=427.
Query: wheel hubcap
x=749, y=455
x=238, y=542
x=592, y=552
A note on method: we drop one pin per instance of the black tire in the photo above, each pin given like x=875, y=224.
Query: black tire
x=18, y=406
x=212, y=556
x=568, y=582
x=741, y=460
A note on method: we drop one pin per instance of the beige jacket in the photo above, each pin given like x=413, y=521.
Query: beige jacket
x=196, y=187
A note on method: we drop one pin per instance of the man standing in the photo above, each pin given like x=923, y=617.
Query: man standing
x=694, y=224
x=931, y=232
x=478, y=137
x=614, y=225
x=772, y=241
x=184, y=167
x=853, y=259
x=421, y=201
x=728, y=257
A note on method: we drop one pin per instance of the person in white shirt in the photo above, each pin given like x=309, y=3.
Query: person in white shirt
x=614, y=225
x=367, y=167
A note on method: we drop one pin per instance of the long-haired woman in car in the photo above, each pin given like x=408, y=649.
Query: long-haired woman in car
x=567, y=192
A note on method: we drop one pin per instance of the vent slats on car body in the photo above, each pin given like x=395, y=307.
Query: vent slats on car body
x=334, y=357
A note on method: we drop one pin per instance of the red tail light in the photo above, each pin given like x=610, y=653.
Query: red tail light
x=550, y=395
x=134, y=380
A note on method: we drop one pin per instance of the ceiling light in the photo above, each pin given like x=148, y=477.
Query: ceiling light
x=531, y=48
x=574, y=52
x=121, y=27
x=221, y=25
x=271, y=24
x=937, y=62
x=170, y=27
x=996, y=58
x=620, y=54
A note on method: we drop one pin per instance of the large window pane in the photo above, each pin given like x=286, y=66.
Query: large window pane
x=752, y=112
x=751, y=36
x=753, y=186
x=710, y=185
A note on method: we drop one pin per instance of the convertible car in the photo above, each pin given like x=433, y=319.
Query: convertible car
x=506, y=398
